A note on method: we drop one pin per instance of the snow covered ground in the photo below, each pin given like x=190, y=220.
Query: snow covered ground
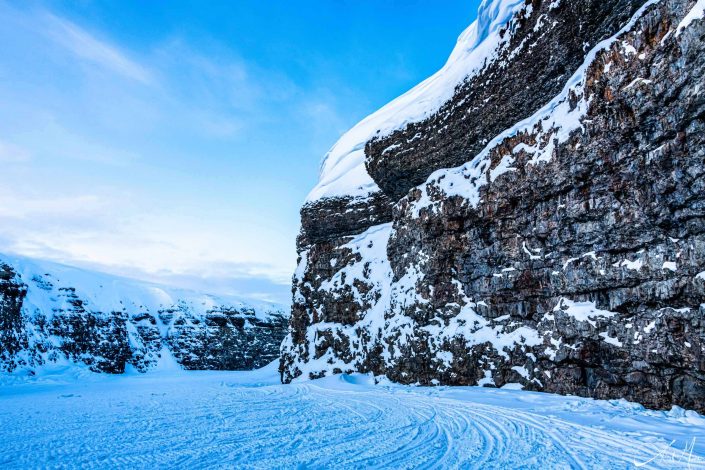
x=247, y=419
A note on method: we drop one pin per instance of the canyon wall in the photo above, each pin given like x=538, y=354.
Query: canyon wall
x=532, y=214
x=53, y=315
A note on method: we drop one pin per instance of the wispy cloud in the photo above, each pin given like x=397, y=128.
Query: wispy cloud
x=106, y=231
x=158, y=181
x=11, y=153
x=88, y=48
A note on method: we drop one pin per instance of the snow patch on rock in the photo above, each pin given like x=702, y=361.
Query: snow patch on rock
x=553, y=124
x=696, y=13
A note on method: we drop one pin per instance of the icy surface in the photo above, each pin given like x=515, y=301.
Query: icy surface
x=248, y=419
x=343, y=171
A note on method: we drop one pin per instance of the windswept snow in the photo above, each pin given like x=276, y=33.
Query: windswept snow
x=343, y=171
x=249, y=420
x=696, y=13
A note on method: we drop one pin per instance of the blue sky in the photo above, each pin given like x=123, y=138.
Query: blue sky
x=176, y=140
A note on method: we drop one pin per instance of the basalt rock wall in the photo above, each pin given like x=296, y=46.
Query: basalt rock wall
x=547, y=223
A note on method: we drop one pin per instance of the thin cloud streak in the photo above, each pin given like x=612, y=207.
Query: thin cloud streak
x=11, y=153
x=87, y=47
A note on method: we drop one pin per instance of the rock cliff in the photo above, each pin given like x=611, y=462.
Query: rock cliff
x=55, y=315
x=534, y=213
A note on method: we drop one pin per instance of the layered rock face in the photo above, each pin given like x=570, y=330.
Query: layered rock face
x=566, y=252
x=544, y=44
x=52, y=314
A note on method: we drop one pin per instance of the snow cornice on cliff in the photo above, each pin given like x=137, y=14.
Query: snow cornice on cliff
x=343, y=173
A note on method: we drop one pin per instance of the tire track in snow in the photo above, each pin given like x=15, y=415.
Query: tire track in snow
x=200, y=421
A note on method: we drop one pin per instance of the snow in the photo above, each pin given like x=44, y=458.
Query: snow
x=370, y=266
x=107, y=293
x=247, y=419
x=475, y=329
x=568, y=261
x=487, y=379
x=368, y=278
x=632, y=265
x=512, y=386
x=557, y=121
x=695, y=13
x=532, y=256
x=521, y=370
x=554, y=4
x=670, y=265
x=638, y=80
x=53, y=288
x=582, y=311
x=610, y=340
x=343, y=170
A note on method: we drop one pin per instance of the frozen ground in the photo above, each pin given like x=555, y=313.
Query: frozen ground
x=247, y=419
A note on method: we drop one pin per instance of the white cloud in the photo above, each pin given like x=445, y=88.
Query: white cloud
x=87, y=47
x=109, y=231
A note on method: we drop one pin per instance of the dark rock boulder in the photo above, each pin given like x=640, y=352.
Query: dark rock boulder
x=331, y=218
x=12, y=334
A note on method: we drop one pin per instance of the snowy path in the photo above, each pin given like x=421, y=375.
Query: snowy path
x=215, y=419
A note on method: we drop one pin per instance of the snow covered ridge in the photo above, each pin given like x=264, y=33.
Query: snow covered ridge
x=696, y=13
x=343, y=170
x=54, y=314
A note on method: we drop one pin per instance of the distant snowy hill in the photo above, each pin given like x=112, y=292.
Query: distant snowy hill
x=52, y=314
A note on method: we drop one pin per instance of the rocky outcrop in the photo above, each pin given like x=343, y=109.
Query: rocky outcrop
x=51, y=314
x=12, y=335
x=555, y=35
x=227, y=338
x=332, y=218
x=559, y=245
